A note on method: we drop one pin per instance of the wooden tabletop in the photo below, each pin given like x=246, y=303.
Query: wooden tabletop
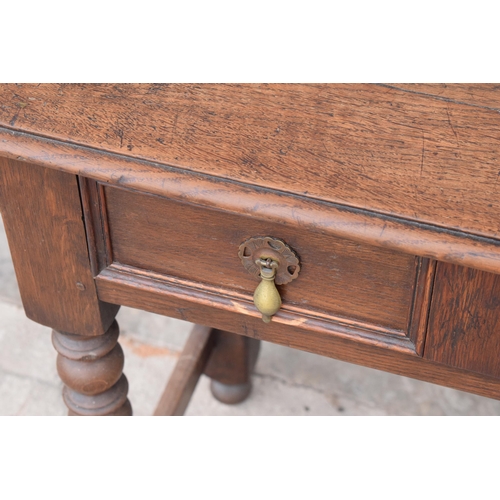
x=427, y=156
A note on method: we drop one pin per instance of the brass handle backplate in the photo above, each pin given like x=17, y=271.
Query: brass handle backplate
x=275, y=263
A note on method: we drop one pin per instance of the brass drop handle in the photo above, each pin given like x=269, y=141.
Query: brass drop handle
x=273, y=262
x=266, y=296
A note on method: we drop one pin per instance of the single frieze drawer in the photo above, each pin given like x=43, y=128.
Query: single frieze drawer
x=376, y=293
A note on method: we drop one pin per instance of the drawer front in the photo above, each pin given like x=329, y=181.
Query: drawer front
x=374, y=291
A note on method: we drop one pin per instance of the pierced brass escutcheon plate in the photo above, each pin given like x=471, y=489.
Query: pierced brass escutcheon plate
x=274, y=262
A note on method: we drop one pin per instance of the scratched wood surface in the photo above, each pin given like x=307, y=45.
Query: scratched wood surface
x=369, y=146
x=476, y=94
x=464, y=322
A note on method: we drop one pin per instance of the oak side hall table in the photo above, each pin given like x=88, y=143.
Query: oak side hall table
x=360, y=222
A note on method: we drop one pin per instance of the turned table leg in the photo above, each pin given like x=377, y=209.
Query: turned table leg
x=230, y=366
x=42, y=212
x=91, y=369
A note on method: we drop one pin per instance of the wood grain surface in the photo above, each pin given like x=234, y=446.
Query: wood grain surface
x=337, y=277
x=43, y=220
x=424, y=287
x=464, y=322
x=368, y=146
x=476, y=94
x=95, y=218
